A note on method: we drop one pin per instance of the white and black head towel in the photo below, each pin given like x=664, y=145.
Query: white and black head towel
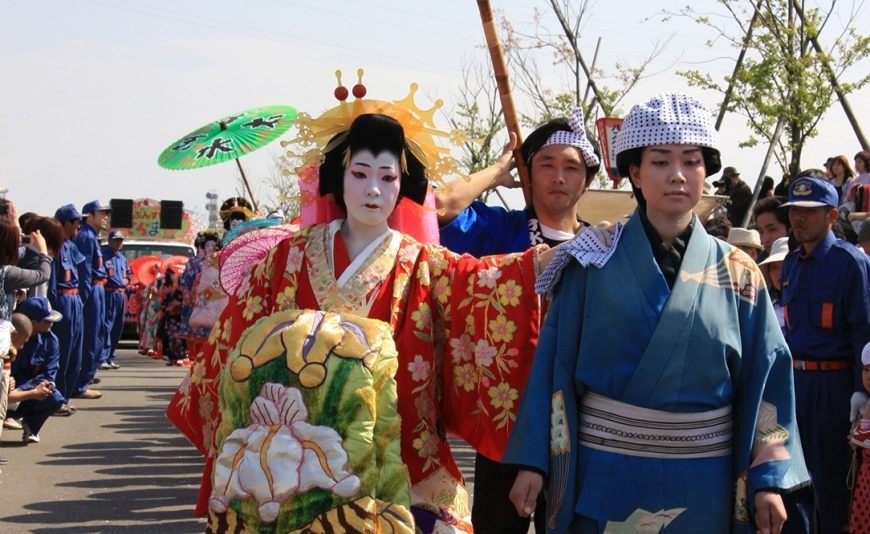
x=593, y=246
x=667, y=119
x=576, y=138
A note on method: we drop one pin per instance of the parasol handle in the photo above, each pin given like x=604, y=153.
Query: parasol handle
x=247, y=186
x=499, y=67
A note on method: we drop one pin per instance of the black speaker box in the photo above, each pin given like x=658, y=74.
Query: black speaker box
x=170, y=214
x=122, y=213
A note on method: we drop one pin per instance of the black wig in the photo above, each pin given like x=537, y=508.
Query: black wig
x=377, y=133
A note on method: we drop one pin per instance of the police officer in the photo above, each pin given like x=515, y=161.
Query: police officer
x=92, y=290
x=827, y=315
x=117, y=277
x=63, y=293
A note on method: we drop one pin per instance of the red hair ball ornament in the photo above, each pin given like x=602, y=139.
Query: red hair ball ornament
x=341, y=91
x=359, y=90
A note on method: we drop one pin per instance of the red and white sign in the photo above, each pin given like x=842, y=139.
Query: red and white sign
x=607, y=130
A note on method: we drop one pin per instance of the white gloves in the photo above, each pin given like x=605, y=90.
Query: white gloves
x=857, y=403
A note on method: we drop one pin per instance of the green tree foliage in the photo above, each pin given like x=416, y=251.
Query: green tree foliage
x=781, y=75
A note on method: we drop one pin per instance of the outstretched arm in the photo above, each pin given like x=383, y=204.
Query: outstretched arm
x=459, y=194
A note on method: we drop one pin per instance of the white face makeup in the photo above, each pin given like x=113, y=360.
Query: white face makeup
x=371, y=188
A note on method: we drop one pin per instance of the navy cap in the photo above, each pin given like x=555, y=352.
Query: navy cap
x=116, y=234
x=95, y=205
x=67, y=212
x=809, y=192
x=39, y=309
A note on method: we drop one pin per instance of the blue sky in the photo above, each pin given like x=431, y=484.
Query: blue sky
x=94, y=90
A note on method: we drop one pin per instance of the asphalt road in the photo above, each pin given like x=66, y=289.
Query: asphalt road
x=116, y=465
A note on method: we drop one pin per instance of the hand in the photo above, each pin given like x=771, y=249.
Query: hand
x=11, y=383
x=42, y=391
x=769, y=512
x=856, y=405
x=605, y=235
x=506, y=163
x=525, y=491
x=37, y=242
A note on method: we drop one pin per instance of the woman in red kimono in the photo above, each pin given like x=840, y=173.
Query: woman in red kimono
x=462, y=329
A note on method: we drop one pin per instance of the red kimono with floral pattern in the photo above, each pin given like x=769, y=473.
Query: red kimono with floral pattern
x=464, y=329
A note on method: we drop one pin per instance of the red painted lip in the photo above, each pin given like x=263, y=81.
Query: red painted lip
x=371, y=206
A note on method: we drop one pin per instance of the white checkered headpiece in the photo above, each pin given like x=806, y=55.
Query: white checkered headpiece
x=576, y=138
x=667, y=119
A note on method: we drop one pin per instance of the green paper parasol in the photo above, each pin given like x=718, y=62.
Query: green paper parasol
x=228, y=138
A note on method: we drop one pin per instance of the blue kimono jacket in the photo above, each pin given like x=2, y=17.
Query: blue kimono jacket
x=710, y=343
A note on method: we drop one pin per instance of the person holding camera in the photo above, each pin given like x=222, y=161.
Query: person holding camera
x=35, y=368
x=13, y=278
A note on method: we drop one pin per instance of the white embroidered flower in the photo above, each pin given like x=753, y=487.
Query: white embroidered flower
x=462, y=348
x=419, y=369
x=278, y=455
x=488, y=277
x=294, y=259
x=408, y=254
x=484, y=353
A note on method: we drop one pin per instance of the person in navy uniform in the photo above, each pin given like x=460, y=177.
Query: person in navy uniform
x=63, y=293
x=93, y=292
x=36, y=366
x=826, y=299
x=117, y=277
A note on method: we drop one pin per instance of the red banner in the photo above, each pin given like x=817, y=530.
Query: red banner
x=607, y=130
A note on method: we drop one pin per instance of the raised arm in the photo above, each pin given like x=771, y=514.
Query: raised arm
x=460, y=193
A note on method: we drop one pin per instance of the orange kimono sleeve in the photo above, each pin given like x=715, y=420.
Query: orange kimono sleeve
x=491, y=324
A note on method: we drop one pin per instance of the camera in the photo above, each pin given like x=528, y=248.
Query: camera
x=50, y=385
x=4, y=206
x=25, y=240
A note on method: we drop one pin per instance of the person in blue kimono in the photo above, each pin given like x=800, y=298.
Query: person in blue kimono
x=117, y=277
x=661, y=396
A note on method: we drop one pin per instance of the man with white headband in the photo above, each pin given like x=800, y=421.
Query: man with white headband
x=661, y=393
x=562, y=162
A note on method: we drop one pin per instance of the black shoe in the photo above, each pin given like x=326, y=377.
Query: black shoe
x=94, y=381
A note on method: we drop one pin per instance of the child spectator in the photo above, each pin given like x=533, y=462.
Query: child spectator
x=746, y=240
x=771, y=268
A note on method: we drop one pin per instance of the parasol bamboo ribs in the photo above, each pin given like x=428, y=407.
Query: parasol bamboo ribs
x=499, y=67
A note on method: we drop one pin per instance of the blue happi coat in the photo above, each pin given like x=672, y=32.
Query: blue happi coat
x=711, y=341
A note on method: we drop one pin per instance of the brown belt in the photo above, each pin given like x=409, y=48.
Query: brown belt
x=115, y=289
x=99, y=281
x=68, y=290
x=822, y=365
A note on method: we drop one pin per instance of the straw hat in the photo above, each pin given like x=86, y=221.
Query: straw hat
x=741, y=237
x=778, y=251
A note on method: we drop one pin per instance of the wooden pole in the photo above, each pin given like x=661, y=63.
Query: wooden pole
x=247, y=185
x=841, y=96
x=499, y=67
